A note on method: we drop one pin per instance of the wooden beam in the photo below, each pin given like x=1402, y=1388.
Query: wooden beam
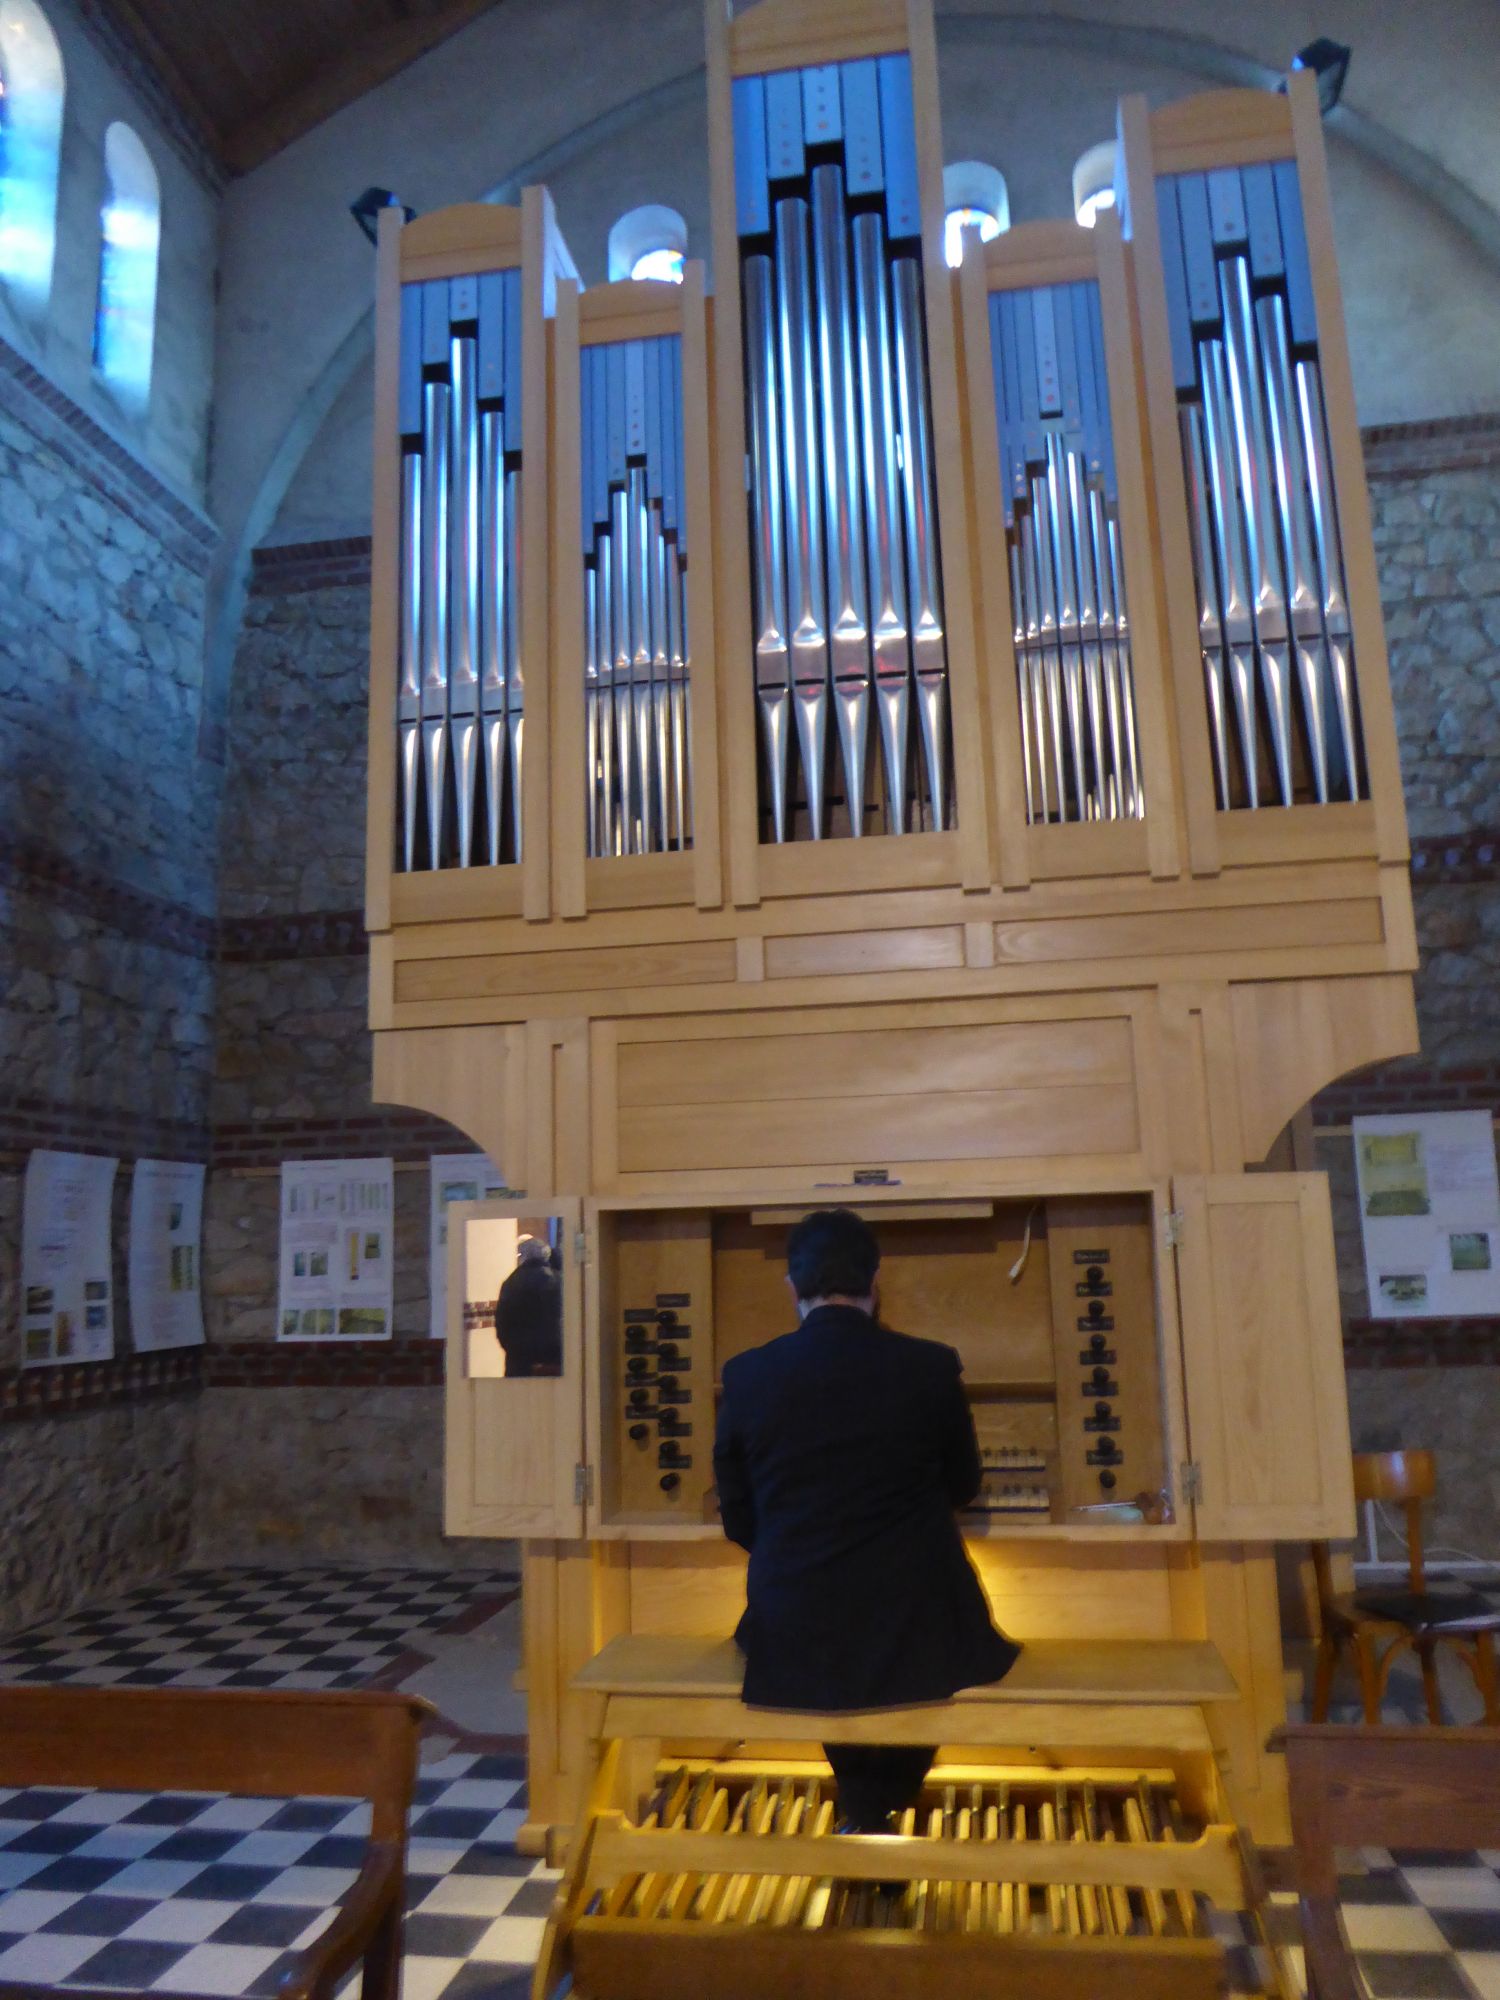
x=379, y=54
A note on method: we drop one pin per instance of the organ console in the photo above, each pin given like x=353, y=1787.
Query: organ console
x=868, y=733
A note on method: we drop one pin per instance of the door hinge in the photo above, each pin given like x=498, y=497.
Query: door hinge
x=583, y=1485
x=580, y=1246
x=1192, y=1482
x=1174, y=1227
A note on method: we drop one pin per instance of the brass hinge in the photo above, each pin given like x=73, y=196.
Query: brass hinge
x=1192, y=1482
x=1174, y=1227
x=583, y=1484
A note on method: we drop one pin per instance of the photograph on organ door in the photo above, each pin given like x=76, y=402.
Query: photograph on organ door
x=851, y=667
x=513, y=1297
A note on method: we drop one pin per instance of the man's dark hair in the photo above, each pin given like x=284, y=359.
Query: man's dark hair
x=832, y=1252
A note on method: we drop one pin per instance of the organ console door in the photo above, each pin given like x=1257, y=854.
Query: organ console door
x=848, y=731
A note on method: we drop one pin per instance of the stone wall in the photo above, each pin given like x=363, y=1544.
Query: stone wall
x=107, y=834
x=305, y=1453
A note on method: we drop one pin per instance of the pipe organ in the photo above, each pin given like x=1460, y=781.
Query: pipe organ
x=824, y=730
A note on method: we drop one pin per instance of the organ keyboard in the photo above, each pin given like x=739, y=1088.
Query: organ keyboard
x=713, y=1865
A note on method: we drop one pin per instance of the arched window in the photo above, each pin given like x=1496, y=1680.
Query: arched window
x=648, y=242
x=974, y=197
x=130, y=239
x=1094, y=183
x=31, y=105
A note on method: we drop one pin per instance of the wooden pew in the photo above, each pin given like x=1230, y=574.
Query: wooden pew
x=264, y=1744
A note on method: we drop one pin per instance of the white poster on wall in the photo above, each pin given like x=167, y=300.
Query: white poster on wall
x=67, y=1293
x=455, y=1177
x=336, y=1250
x=1429, y=1206
x=166, y=1226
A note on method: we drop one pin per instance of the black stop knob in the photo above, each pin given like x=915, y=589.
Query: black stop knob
x=1101, y=1409
x=1106, y=1448
x=1101, y=1376
x=640, y=1431
x=666, y=1382
x=1107, y=1481
x=1096, y=1309
x=640, y=1398
x=636, y=1365
x=666, y=1317
x=1095, y=1274
x=667, y=1355
x=635, y=1333
x=669, y=1482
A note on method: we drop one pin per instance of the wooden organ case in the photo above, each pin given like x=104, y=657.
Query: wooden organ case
x=920, y=739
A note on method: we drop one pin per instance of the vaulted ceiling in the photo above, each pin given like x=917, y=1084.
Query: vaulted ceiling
x=252, y=75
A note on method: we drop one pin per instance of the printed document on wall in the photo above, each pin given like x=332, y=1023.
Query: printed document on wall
x=67, y=1286
x=166, y=1229
x=455, y=1177
x=1429, y=1207
x=336, y=1250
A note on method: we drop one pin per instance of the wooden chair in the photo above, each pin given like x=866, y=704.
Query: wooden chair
x=1397, y=1787
x=272, y=1744
x=1381, y=1623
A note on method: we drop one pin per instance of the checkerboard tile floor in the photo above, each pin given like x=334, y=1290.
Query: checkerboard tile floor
x=177, y=1893
x=252, y=1628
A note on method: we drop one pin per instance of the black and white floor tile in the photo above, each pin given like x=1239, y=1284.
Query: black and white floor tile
x=203, y=1894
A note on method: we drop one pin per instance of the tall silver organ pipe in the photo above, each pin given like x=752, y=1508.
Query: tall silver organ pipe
x=460, y=699
x=634, y=538
x=842, y=509
x=1075, y=682
x=1278, y=663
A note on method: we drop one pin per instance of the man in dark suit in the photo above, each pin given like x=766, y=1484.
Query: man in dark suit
x=842, y=1451
x=528, y=1313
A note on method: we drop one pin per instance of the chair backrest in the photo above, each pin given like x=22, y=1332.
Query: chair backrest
x=1408, y=1477
x=359, y=1745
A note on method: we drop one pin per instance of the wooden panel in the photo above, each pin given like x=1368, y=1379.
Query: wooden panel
x=385, y=581
x=1120, y=1227
x=521, y=973
x=467, y=228
x=926, y=1057
x=1062, y=1591
x=1174, y=933
x=1267, y=1414
x=640, y=1256
x=855, y=867
x=1294, y=1037
x=933, y=948
x=1174, y=559
x=473, y=1077
x=450, y=895
x=538, y=291
x=785, y=34
x=681, y=1961
x=882, y=1130
x=511, y=1447
x=634, y=881
x=942, y=1278
x=569, y=779
x=1221, y=128
x=698, y=500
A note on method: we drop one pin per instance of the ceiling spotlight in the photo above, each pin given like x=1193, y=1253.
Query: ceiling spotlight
x=1329, y=63
x=366, y=209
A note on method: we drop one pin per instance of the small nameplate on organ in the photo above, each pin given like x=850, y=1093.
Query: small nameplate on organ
x=1101, y=1423
x=1097, y=1288
x=1090, y=1256
x=1104, y=1324
x=675, y=1299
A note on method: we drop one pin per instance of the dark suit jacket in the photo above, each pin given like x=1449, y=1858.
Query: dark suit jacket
x=842, y=1451
x=528, y=1321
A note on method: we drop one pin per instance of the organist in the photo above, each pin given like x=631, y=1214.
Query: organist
x=842, y=1452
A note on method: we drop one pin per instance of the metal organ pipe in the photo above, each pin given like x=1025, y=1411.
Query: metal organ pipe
x=637, y=707
x=1278, y=667
x=843, y=520
x=1075, y=685
x=459, y=693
